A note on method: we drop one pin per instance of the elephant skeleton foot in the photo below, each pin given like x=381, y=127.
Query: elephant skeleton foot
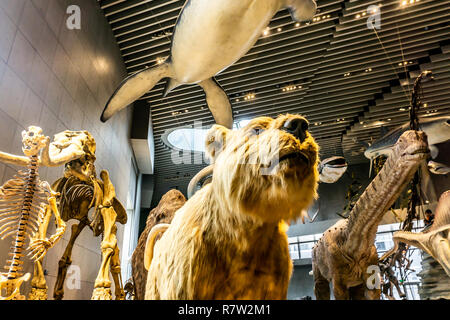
x=38, y=294
x=102, y=293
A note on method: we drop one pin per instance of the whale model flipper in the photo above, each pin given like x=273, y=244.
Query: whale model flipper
x=133, y=87
x=170, y=85
x=218, y=102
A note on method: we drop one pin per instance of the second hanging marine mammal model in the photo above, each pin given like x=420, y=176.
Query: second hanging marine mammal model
x=209, y=36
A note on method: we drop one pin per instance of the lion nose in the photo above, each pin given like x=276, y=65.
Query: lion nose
x=296, y=127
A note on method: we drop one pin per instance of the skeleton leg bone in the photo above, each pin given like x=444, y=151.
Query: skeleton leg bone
x=102, y=286
x=38, y=284
x=115, y=271
x=65, y=261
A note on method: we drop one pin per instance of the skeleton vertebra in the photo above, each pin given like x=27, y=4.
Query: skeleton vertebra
x=346, y=250
x=25, y=203
x=80, y=191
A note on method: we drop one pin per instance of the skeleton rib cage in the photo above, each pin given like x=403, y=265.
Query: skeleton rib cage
x=23, y=200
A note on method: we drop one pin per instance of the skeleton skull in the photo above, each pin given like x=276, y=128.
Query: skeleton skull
x=69, y=141
x=33, y=141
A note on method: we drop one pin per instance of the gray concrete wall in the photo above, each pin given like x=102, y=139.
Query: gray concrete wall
x=301, y=284
x=60, y=79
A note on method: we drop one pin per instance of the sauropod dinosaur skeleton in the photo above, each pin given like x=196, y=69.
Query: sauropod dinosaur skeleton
x=25, y=201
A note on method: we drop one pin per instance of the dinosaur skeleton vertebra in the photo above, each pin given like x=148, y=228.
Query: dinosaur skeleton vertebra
x=25, y=203
x=346, y=250
x=80, y=190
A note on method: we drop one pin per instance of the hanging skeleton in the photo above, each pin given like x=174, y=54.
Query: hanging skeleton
x=398, y=258
x=25, y=202
x=80, y=190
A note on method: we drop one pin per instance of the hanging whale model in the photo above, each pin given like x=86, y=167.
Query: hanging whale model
x=209, y=36
x=332, y=169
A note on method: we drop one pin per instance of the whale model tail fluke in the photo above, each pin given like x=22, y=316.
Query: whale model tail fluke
x=133, y=87
x=218, y=102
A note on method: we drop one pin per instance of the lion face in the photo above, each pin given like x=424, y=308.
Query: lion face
x=266, y=169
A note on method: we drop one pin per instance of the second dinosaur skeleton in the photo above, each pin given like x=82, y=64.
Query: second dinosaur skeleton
x=25, y=202
x=346, y=250
x=435, y=240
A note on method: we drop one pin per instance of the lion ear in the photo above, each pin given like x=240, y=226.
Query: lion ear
x=215, y=141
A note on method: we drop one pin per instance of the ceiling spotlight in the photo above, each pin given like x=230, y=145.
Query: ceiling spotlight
x=389, y=119
x=363, y=14
x=160, y=60
x=290, y=87
x=237, y=100
x=404, y=3
x=358, y=16
x=249, y=96
x=297, y=24
x=425, y=105
x=279, y=29
x=328, y=16
x=402, y=109
x=266, y=31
